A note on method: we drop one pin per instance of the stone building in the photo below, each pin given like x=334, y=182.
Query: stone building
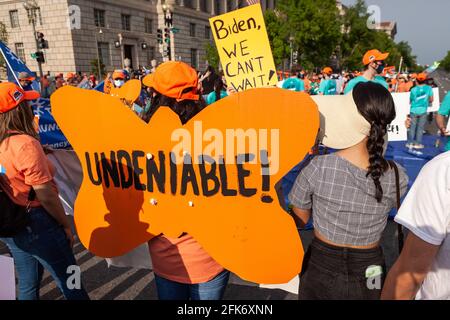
x=80, y=33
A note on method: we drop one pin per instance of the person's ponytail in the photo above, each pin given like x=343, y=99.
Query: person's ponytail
x=378, y=165
x=375, y=104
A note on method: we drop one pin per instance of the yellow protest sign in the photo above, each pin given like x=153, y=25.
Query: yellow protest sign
x=244, y=48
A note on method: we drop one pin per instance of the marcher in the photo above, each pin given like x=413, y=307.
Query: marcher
x=420, y=98
x=27, y=179
x=219, y=92
x=373, y=60
x=423, y=269
x=294, y=83
x=183, y=269
x=327, y=85
x=349, y=194
x=444, y=111
x=25, y=80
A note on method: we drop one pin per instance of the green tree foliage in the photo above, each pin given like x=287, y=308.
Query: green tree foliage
x=94, y=68
x=319, y=31
x=313, y=26
x=445, y=63
x=212, y=56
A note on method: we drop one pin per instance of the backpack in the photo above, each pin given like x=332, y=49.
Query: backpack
x=13, y=218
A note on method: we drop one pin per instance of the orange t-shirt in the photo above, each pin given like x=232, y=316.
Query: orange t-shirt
x=403, y=87
x=182, y=260
x=24, y=164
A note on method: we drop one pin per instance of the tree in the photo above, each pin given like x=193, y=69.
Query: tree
x=278, y=36
x=94, y=68
x=3, y=38
x=314, y=26
x=212, y=56
x=445, y=63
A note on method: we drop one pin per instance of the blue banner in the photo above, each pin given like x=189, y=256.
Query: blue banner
x=49, y=131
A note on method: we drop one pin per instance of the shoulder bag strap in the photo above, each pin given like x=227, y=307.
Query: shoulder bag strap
x=397, y=186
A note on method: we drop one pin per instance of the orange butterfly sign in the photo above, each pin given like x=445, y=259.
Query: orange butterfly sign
x=213, y=178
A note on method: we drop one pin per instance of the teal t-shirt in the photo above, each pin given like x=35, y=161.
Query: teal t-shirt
x=328, y=87
x=294, y=84
x=444, y=110
x=419, y=98
x=211, y=98
x=352, y=83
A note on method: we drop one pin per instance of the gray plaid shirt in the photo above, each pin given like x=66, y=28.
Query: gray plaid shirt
x=342, y=199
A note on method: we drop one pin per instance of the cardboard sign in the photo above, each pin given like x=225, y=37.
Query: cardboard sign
x=213, y=178
x=244, y=48
x=7, y=279
x=434, y=107
x=397, y=130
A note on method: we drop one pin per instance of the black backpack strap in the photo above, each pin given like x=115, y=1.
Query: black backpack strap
x=397, y=187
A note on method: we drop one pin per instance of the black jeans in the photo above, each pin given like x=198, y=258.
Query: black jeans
x=335, y=273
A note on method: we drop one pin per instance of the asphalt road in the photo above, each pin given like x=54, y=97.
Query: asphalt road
x=103, y=283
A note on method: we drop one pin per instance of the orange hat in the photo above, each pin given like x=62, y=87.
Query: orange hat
x=174, y=79
x=374, y=55
x=327, y=70
x=119, y=74
x=70, y=75
x=422, y=76
x=413, y=75
x=11, y=95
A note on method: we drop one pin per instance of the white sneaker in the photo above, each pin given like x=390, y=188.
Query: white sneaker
x=409, y=145
x=418, y=146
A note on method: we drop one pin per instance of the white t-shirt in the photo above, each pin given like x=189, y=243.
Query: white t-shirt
x=426, y=213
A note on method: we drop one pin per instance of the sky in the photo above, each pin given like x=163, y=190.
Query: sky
x=425, y=24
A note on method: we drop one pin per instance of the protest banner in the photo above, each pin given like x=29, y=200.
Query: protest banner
x=434, y=107
x=7, y=279
x=244, y=48
x=213, y=178
x=397, y=130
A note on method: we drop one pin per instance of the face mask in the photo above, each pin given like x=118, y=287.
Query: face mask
x=118, y=83
x=380, y=68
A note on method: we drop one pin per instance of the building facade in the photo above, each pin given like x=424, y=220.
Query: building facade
x=82, y=33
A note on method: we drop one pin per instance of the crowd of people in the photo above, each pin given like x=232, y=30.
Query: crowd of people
x=348, y=193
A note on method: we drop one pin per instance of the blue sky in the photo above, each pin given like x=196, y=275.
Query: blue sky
x=425, y=24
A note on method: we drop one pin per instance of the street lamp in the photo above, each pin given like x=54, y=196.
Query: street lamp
x=100, y=32
x=31, y=7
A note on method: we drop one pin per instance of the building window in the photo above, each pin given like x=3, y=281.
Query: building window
x=14, y=18
x=194, y=58
x=192, y=29
x=99, y=17
x=207, y=32
x=126, y=22
x=148, y=25
x=103, y=53
x=20, y=51
x=36, y=12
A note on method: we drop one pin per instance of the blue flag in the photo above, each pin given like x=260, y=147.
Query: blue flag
x=49, y=131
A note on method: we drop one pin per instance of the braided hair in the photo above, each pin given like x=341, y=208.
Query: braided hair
x=375, y=104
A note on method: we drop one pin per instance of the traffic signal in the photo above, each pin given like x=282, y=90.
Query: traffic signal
x=167, y=35
x=42, y=43
x=40, y=57
x=160, y=36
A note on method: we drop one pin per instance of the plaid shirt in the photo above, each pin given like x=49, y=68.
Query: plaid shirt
x=342, y=199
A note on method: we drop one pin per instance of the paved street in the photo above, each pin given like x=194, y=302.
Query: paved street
x=114, y=283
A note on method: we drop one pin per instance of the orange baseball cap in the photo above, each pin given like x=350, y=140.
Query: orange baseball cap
x=422, y=76
x=174, y=79
x=70, y=75
x=11, y=95
x=374, y=55
x=327, y=70
x=119, y=74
